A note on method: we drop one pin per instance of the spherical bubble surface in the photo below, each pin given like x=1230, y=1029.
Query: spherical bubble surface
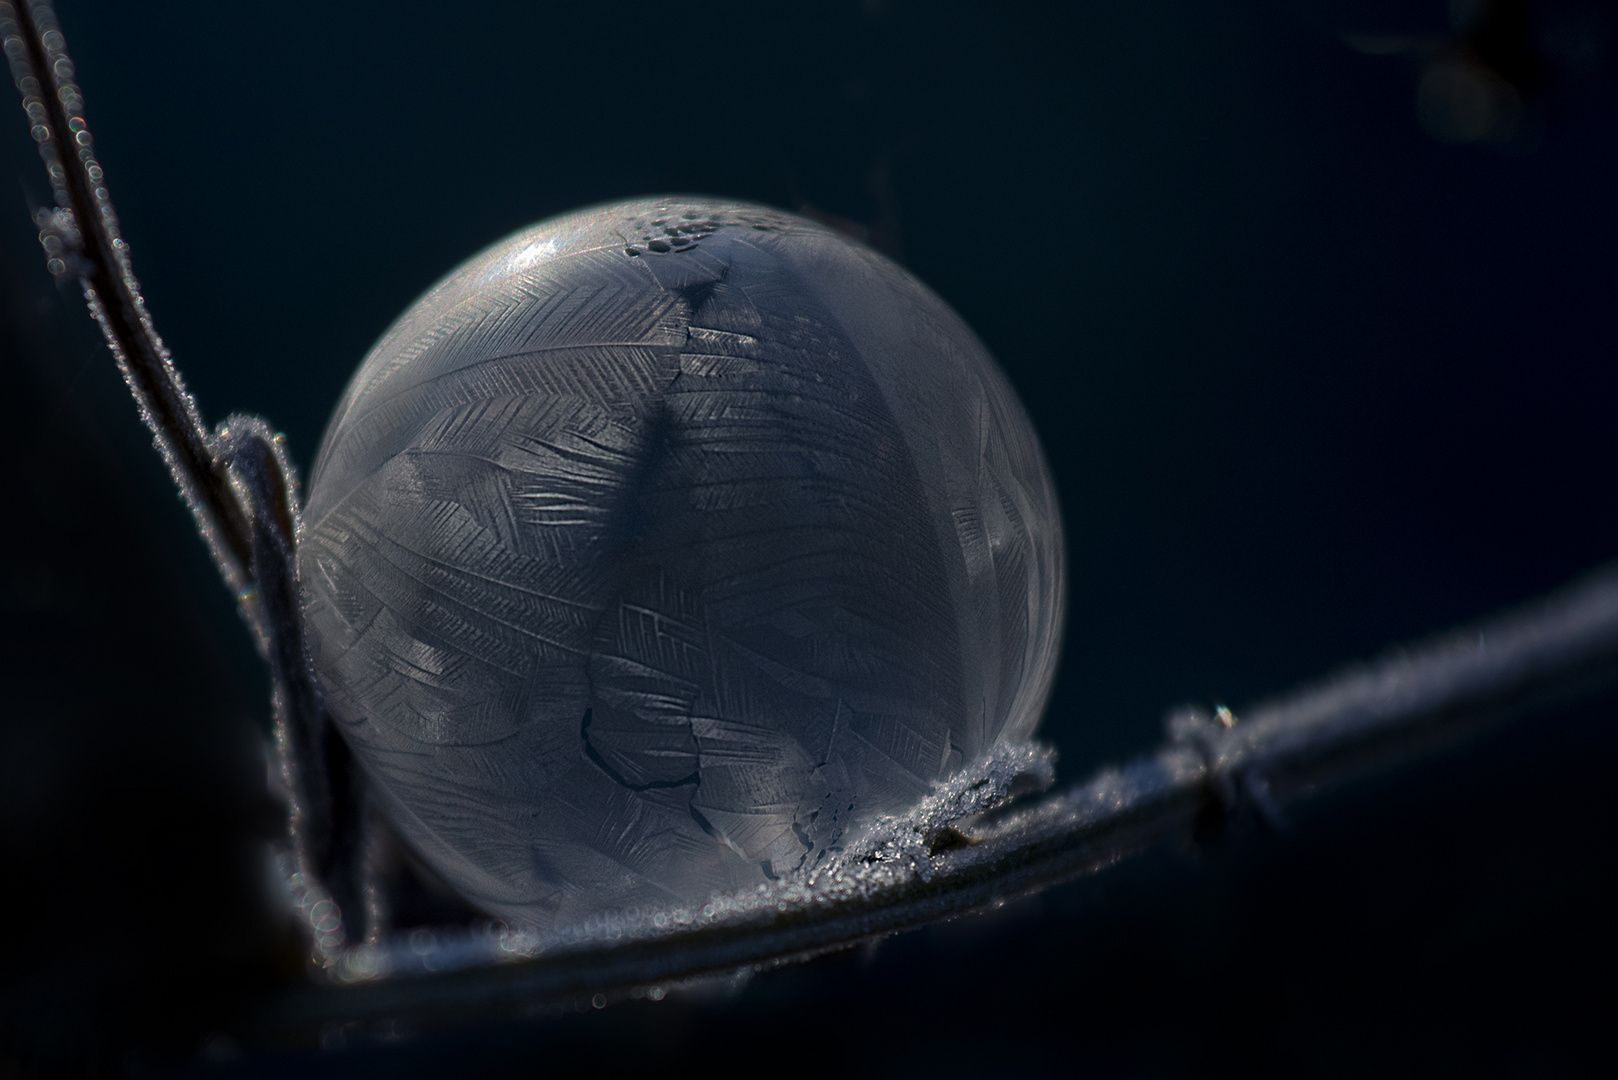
x=661, y=545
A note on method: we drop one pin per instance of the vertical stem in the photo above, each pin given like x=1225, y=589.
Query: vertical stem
x=237, y=481
x=82, y=240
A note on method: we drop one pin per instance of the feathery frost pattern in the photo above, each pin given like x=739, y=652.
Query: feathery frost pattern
x=662, y=548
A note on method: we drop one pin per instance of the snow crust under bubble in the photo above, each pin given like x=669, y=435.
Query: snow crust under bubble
x=889, y=855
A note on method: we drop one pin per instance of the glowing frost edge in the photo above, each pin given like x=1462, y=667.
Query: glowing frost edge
x=891, y=852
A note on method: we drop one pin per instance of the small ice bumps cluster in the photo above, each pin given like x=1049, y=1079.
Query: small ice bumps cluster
x=662, y=547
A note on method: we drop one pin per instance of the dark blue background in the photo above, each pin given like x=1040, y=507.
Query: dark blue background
x=1312, y=382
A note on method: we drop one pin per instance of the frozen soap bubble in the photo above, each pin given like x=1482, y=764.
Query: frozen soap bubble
x=661, y=546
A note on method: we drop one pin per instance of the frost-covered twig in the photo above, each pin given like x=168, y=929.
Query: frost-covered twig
x=82, y=242
x=942, y=861
x=237, y=479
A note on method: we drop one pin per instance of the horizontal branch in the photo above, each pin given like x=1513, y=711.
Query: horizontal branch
x=938, y=864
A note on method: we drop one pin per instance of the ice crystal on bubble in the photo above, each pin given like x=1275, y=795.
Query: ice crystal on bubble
x=890, y=854
x=663, y=549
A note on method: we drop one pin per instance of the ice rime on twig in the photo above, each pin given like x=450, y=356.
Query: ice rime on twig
x=948, y=858
x=236, y=479
x=936, y=823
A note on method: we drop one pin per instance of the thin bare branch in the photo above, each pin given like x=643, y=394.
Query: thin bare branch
x=82, y=240
x=237, y=480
